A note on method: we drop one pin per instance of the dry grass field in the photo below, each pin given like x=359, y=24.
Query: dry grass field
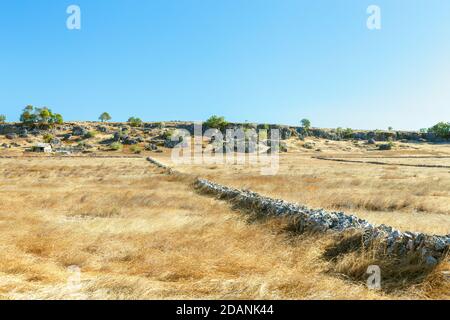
x=138, y=233
x=408, y=198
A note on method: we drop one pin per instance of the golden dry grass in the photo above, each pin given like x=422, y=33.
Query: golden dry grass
x=408, y=198
x=137, y=233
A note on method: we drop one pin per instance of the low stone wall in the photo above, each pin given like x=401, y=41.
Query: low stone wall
x=431, y=247
x=160, y=165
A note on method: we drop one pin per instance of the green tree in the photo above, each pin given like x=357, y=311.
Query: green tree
x=441, y=129
x=215, y=122
x=306, y=124
x=57, y=118
x=348, y=133
x=104, y=117
x=44, y=114
x=390, y=128
x=135, y=122
x=32, y=115
x=28, y=115
x=2, y=118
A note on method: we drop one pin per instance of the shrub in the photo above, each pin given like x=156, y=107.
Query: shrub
x=167, y=135
x=386, y=146
x=58, y=119
x=90, y=134
x=160, y=125
x=135, y=122
x=115, y=146
x=47, y=137
x=345, y=133
x=441, y=130
x=135, y=149
x=263, y=135
x=215, y=122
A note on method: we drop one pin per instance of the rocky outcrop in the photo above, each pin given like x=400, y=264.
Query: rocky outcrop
x=79, y=131
x=286, y=132
x=377, y=135
x=431, y=247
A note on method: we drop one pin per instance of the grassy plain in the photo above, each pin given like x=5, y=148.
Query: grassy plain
x=137, y=233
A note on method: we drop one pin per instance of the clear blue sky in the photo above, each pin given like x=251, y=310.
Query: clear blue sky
x=275, y=61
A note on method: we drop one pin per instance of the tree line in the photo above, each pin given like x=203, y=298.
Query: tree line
x=45, y=116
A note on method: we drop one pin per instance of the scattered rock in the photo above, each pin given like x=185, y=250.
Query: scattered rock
x=102, y=129
x=129, y=141
x=36, y=132
x=55, y=142
x=79, y=131
x=283, y=147
x=371, y=141
x=23, y=133
x=431, y=261
x=117, y=136
x=385, y=146
x=151, y=147
x=170, y=144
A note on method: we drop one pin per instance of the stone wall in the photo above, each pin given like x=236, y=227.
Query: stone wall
x=430, y=247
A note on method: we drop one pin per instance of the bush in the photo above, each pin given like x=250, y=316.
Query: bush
x=167, y=135
x=135, y=149
x=90, y=134
x=386, y=146
x=215, y=122
x=135, y=122
x=441, y=130
x=159, y=125
x=115, y=146
x=47, y=137
x=345, y=133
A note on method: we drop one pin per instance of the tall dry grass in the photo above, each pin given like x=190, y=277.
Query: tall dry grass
x=136, y=233
x=408, y=198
